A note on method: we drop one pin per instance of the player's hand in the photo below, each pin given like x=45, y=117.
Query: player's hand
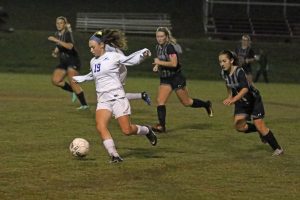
x=147, y=53
x=229, y=101
x=155, y=68
x=54, y=54
x=156, y=61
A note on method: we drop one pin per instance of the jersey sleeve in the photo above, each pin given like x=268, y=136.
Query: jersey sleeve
x=242, y=80
x=251, y=53
x=69, y=37
x=171, y=50
x=133, y=59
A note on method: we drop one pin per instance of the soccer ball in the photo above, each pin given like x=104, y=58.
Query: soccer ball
x=79, y=147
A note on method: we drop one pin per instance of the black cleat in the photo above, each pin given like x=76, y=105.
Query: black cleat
x=146, y=98
x=209, y=109
x=159, y=128
x=116, y=159
x=151, y=136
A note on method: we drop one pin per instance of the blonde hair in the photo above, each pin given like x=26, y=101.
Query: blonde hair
x=113, y=37
x=168, y=33
x=67, y=24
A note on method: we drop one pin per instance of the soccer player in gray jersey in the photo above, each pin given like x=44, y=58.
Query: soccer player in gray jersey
x=247, y=101
x=171, y=78
x=245, y=56
x=69, y=61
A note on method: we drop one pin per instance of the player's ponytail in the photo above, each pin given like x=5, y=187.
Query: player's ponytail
x=115, y=38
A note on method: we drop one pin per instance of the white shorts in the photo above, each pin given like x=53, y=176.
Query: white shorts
x=118, y=107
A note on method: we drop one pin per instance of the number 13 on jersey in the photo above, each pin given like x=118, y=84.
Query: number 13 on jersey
x=97, y=67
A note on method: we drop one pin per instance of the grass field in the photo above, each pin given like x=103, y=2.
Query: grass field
x=199, y=157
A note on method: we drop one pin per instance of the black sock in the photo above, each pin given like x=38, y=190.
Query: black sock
x=81, y=98
x=67, y=87
x=271, y=140
x=161, y=113
x=251, y=128
x=197, y=103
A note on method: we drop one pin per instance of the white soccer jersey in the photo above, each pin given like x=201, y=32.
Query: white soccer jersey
x=105, y=70
x=123, y=69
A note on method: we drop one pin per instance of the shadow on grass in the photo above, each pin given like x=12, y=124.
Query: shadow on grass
x=141, y=153
x=188, y=126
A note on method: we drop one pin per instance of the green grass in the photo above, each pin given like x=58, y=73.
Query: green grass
x=199, y=157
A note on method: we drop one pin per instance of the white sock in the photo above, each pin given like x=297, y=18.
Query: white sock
x=142, y=130
x=110, y=147
x=132, y=96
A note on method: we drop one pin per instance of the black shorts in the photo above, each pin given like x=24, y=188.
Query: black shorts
x=176, y=82
x=73, y=63
x=254, y=109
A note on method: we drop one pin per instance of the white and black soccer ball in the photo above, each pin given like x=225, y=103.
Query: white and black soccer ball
x=79, y=147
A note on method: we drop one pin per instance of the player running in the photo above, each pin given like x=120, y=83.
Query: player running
x=111, y=98
x=247, y=100
x=171, y=78
x=69, y=61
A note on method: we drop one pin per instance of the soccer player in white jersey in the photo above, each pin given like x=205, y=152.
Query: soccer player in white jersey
x=111, y=98
x=112, y=47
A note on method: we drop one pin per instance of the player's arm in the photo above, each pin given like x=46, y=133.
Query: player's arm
x=134, y=58
x=55, y=52
x=80, y=79
x=172, y=56
x=68, y=44
x=243, y=83
x=251, y=57
x=228, y=100
x=240, y=95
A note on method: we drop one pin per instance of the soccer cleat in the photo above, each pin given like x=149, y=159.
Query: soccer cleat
x=74, y=97
x=151, y=136
x=159, y=128
x=209, y=109
x=146, y=98
x=277, y=152
x=83, y=107
x=116, y=159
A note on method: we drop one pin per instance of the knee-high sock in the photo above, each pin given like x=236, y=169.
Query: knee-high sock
x=110, y=147
x=81, y=98
x=132, y=96
x=271, y=140
x=161, y=114
x=67, y=87
x=197, y=103
x=251, y=128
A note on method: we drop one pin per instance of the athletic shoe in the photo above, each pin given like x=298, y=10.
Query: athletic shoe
x=151, y=136
x=146, y=98
x=159, y=128
x=74, y=97
x=83, y=107
x=116, y=159
x=209, y=109
x=277, y=152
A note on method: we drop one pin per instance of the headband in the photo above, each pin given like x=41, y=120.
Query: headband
x=96, y=39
